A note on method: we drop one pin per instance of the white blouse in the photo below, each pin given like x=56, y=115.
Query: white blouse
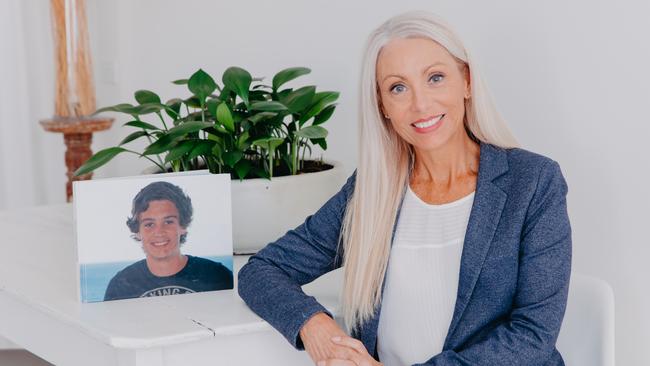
x=421, y=279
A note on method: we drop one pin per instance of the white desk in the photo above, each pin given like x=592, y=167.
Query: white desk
x=40, y=312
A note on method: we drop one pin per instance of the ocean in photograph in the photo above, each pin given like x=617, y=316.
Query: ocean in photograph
x=95, y=277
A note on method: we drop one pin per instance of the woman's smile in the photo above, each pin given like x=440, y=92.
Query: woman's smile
x=429, y=124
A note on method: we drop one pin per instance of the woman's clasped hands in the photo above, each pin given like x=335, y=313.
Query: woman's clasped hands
x=328, y=345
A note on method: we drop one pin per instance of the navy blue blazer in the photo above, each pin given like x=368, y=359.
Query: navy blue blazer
x=514, y=273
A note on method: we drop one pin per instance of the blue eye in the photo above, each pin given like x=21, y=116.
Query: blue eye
x=397, y=89
x=436, y=78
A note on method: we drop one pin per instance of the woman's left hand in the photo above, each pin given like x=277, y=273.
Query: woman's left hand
x=357, y=354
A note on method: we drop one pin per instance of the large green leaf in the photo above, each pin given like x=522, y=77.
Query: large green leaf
x=201, y=84
x=312, y=132
x=147, y=108
x=188, y=127
x=179, y=150
x=137, y=110
x=258, y=95
x=141, y=124
x=146, y=96
x=320, y=142
x=269, y=143
x=225, y=117
x=226, y=94
x=325, y=97
x=260, y=172
x=100, y=158
x=221, y=129
x=324, y=115
x=170, y=139
x=261, y=116
x=121, y=108
x=232, y=157
x=201, y=147
x=287, y=75
x=193, y=102
x=174, y=108
x=268, y=106
x=163, y=144
x=133, y=136
x=320, y=101
x=242, y=141
x=212, y=105
x=237, y=80
x=282, y=95
x=300, y=99
x=217, y=150
x=242, y=168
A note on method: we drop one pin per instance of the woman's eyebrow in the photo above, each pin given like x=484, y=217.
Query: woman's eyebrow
x=439, y=63
x=427, y=68
x=392, y=75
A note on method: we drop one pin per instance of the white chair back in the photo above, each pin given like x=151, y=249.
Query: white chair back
x=587, y=334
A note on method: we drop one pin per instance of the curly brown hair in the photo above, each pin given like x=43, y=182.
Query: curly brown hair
x=161, y=191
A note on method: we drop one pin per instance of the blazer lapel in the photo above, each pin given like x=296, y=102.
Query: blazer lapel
x=489, y=201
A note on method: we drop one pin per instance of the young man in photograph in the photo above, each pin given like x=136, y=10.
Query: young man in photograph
x=160, y=216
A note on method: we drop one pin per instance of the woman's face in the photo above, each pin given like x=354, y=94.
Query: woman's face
x=422, y=90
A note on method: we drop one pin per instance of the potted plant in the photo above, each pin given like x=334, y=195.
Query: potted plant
x=248, y=129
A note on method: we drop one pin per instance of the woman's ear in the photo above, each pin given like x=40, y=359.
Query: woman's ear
x=383, y=112
x=380, y=104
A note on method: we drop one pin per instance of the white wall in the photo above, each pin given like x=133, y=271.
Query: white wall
x=32, y=170
x=571, y=77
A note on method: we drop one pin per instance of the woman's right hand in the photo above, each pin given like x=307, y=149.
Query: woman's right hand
x=317, y=335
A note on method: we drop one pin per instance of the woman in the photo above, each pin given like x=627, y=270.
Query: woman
x=456, y=244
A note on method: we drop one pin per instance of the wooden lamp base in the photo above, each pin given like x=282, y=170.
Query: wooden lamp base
x=77, y=135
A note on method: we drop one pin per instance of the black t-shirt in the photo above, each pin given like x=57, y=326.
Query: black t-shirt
x=199, y=274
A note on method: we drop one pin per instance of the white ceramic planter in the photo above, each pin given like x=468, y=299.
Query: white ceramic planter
x=263, y=210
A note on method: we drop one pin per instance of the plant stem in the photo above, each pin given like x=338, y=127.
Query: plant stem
x=271, y=152
x=211, y=164
x=162, y=168
x=294, y=156
x=162, y=120
x=302, y=162
x=150, y=142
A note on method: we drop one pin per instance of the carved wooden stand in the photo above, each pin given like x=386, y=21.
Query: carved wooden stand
x=78, y=135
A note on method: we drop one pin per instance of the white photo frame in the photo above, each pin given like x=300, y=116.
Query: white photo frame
x=106, y=245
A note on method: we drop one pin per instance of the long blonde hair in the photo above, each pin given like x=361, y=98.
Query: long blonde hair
x=385, y=161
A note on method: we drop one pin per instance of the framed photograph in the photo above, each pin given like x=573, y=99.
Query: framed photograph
x=153, y=235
